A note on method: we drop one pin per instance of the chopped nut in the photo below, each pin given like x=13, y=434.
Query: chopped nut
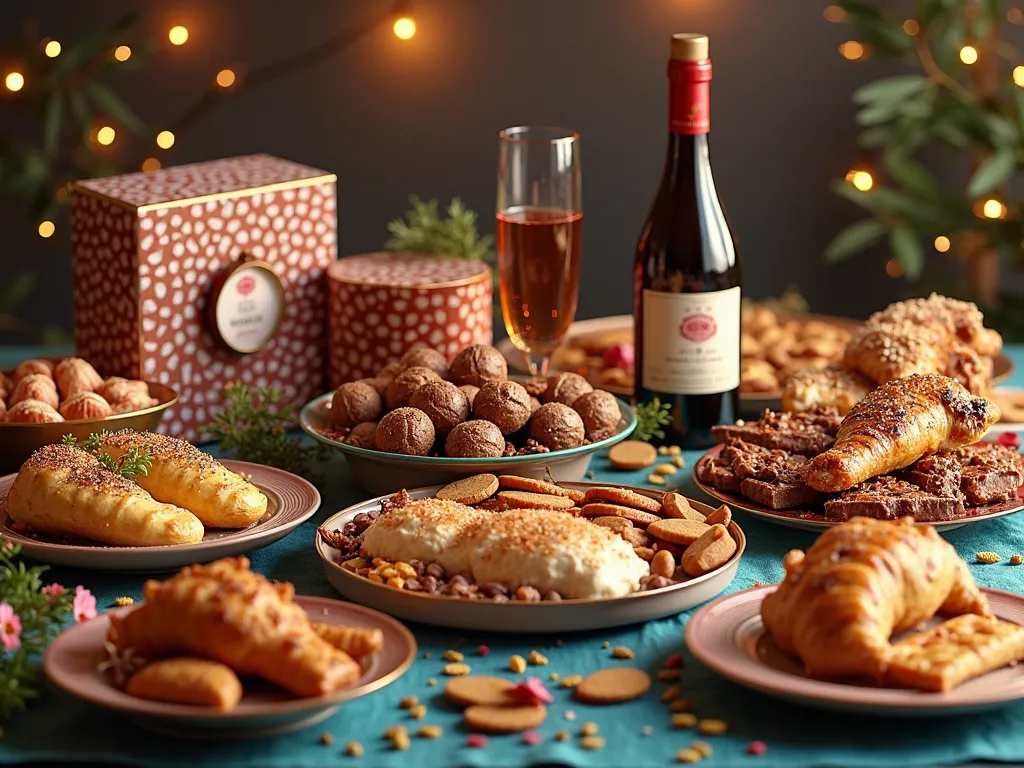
x=1016, y=560
x=670, y=694
x=563, y=736
x=405, y=570
x=592, y=742
x=591, y=475
x=326, y=739
x=430, y=731
x=571, y=681
x=432, y=682
x=537, y=658
x=653, y=479
x=355, y=564
x=663, y=450
x=554, y=676
x=712, y=727
x=680, y=705
x=396, y=581
x=375, y=577
x=517, y=664
x=674, y=450
x=453, y=656
x=703, y=747
x=665, y=469
x=354, y=749
x=605, y=644
x=456, y=669
x=394, y=729
x=589, y=729
x=418, y=712
x=668, y=674
x=622, y=652
x=408, y=702
x=401, y=740
x=679, y=461
x=988, y=558
x=688, y=756
x=388, y=573
x=684, y=720
x=122, y=601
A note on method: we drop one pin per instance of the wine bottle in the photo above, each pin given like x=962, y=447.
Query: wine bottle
x=686, y=281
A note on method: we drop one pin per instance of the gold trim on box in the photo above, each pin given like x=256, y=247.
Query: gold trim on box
x=485, y=275
x=275, y=187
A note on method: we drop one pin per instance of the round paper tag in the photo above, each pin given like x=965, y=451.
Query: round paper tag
x=248, y=307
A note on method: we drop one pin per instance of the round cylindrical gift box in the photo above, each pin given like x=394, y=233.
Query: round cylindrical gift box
x=383, y=304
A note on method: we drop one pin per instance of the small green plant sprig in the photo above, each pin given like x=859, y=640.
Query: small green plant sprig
x=650, y=418
x=254, y=427
x=134, y=462
x=424, y=231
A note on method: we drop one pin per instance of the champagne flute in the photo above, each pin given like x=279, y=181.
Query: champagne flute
x=539, y=228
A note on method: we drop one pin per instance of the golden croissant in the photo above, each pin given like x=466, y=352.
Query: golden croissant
x=66, y=491
x=897, y=424
x=182, y=474
x=860, y=583
x=223, y=611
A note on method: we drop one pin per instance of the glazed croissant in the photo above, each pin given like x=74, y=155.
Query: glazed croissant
x=182, y=474
x=224, y=612
x=860, y=583
x=64, y=490
x=897, y=424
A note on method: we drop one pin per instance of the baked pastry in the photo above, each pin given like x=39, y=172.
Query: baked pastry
x=66, y=491
x=181, y=474
x=887, y=351
x=74, y=375
x=224, y=612
x=835, y=386
x=969, y=368
x=857, y=585
x=116, y=389
x=134, y=400
x=950, y=317
x=29, y=367
x=897, y=424
x=85, y=405
x=200, y=682
x=32, y=412
x=36, y=386
x=355, y=641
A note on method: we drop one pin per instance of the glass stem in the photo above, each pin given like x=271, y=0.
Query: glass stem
x=538, y=364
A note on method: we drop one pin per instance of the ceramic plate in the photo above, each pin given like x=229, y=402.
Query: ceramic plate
x=291, y=501
x=519, y=617
x=380, y=472
x=1008, y=426
x=815, y=521
x=728, y=637
x=265, y=710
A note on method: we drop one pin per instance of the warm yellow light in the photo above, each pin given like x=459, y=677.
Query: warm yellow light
x=893, y=268
x=46, y=228
x=122, y=53
x=993, y=209
x=52, y=49
x=862, y=180
x=405, y=28
x=178, y=35
x=1018, y=76
x=1015, y=16
x=834, y=13
x=225, y=78
x=150, y=164
x=165, y=139
x=941, y=243
x=851, y=50
x=911, y=27
x=105, y=135
x=968, y=54
x=14, y=81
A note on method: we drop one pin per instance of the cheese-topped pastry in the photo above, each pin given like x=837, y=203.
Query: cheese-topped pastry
x=66, y=491
x=181, y=474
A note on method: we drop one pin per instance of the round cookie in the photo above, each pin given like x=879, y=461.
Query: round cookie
x=355, y=402
x=477, y=365
x=503, y=403
x=613, y=522
x=480, y=690
x=444, y=403
x=604, y=509
x=498, y=719
x=527, y=500
x=632, y=454
x=516, y=483
x=624, y=497
x=676, y=505
x=676, y=531
x=613, y=686
x=404, y=384
x=477, y=439
x=423, y=357
x=470, y=490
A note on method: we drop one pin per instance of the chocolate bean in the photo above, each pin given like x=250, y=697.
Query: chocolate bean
x=528, y=594
x=435, y=570
x=552, y=596
x=492, y=588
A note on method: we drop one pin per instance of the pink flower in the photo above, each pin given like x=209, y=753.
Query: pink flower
x=53, y=590
x=532, y=691
x=7, y=546
x=10, y=627
x=84, y=605
x=1009, y=439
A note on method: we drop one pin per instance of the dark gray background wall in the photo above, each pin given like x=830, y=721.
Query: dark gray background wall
x=394, y=118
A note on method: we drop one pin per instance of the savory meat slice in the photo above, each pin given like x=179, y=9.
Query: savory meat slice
x=989, y=473
x=888, y=498
x=805, y=433
x=939, y=474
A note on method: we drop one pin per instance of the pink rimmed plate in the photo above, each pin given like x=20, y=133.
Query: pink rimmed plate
x=71, y=662
x=290, y=502
x=728, y=636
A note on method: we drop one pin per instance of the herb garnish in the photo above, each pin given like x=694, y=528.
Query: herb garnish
x=134, y=462
x=650, y=418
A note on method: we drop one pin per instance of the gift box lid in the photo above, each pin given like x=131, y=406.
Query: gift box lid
x=201, y=182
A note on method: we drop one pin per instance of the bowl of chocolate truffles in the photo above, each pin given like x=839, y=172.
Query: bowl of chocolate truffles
x=424, y=420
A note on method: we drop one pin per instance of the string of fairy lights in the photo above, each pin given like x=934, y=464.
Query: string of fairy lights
x=104, y=135
x=862, y=178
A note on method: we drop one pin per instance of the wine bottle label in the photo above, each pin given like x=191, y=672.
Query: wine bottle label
x=689, y=110
x=691, y=343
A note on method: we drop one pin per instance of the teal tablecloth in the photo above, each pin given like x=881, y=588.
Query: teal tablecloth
x=60, y=728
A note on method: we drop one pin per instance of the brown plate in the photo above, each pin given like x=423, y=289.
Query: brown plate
x=265, y=710
x=814, y=520
x=290, y=502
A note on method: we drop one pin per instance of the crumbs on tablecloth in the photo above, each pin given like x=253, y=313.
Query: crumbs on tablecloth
x=452, y=656
x=517, y=664
x=622, y=652
x=123, y=601
x=326, y=739
x=430, y=731
x=408, y=702
x=1016, y=560
x=432, y=682
x=647, y=730
x=354, y=749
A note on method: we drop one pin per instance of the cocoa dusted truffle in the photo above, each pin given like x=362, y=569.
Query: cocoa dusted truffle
x=406, y=430
x=389, y=371
x=600, y=413
x=503, y=403
x=534, y=405
x=444, y=403
x=564, y=388
x=381, y=385
x=478, y=365
x=355, y=402
x=536, y=387
x=405, y=383
x=476, y=439
x=363, y=435
x=557, y=427
x=470, y=392
x=422, y=357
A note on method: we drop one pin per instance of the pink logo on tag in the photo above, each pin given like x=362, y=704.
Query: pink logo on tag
x=246, y=286
x=698, y=327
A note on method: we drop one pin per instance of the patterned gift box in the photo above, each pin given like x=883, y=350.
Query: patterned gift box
x=383, y=304
x=147, y=249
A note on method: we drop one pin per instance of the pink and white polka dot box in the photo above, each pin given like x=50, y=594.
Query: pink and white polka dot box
x=383, y=304
x=149, y=250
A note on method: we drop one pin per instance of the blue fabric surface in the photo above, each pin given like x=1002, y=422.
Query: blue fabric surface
x=60, y=728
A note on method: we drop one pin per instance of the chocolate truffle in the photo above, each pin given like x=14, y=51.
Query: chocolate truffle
x=470, y=392
x=600, y=413
x=557, y=427
x=477, y=439
x=389, y=371
x=363, y=435
x=444, y=403
x=406, y=430
x=503, y=403
x=478, y=365
x=355, y=402
x=422, y=357
x=379, y=384
x=534, y=405
x=564, y=388
x=536, y=387
x=405, y=383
